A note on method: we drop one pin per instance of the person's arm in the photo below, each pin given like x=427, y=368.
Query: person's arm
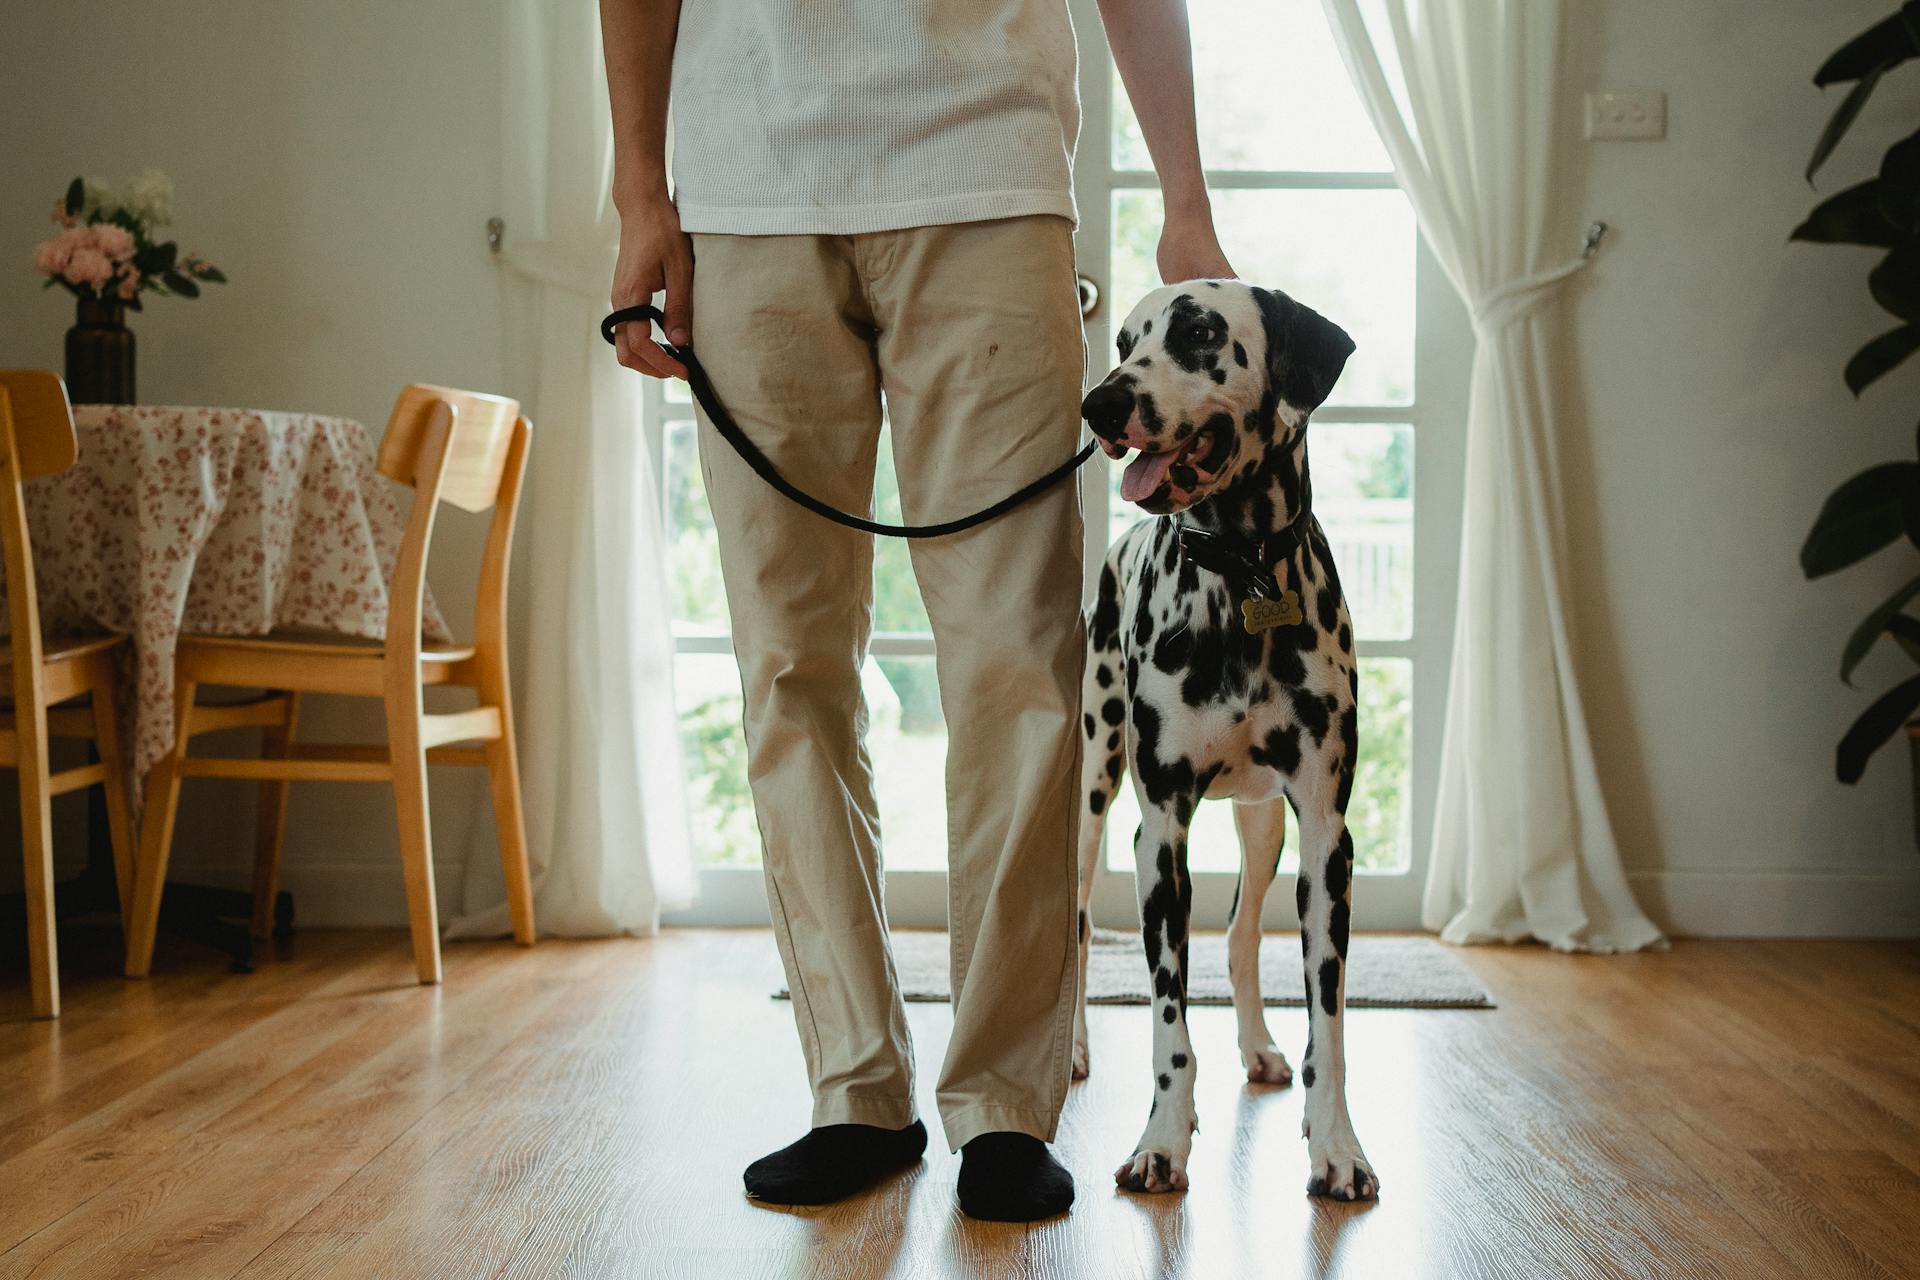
x=638, y=36
x=1155, y=56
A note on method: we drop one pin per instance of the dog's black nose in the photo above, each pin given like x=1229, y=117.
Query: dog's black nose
x=1107, y=408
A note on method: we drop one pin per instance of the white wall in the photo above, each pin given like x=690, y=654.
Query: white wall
x=1710, y=352
x=339, y=161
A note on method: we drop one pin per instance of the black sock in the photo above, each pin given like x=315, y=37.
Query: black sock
x=833, y=1162
x=1011, y=1177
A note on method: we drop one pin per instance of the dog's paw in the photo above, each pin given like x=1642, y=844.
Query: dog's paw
x=1080, y=1058
x=1343, y=1176
x=1153, y=1171
x=1266, y=1065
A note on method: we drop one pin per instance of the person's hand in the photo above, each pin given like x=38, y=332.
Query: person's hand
x=1190, y=250
x=654, y=255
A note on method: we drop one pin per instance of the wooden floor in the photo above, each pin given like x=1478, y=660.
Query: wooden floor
x=583, y=1109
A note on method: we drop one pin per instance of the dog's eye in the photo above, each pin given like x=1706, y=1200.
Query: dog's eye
x=1199, y=331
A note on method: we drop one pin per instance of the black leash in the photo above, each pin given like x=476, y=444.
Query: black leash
x=730, y=431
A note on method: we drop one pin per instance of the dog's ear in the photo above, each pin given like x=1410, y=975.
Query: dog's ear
x=1305, y=351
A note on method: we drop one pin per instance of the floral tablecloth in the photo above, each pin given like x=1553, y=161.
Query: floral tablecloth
x=225, y=521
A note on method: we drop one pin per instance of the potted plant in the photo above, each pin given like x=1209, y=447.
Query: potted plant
x=106, y=255
x=1879, y=508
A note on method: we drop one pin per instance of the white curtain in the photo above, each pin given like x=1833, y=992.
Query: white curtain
x=1464, y=94
x=599, y=749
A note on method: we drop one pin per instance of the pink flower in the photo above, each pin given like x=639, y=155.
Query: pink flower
x=50, y=256
x=89, y=266
x=129, y=285
x=115, y=242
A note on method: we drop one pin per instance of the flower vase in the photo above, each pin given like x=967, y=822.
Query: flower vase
x=100, y=354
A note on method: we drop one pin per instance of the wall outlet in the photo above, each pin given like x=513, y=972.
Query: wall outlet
x=1631, y=116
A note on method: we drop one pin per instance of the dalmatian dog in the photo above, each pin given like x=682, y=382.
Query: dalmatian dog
x=1221, y=665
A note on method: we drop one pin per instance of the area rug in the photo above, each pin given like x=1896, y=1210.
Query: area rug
x=1383, y=971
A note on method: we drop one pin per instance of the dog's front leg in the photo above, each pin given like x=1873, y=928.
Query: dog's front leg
x=1159, y=1160
x=1339, y=1167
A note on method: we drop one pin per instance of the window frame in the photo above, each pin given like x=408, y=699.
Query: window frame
x=1443, y=346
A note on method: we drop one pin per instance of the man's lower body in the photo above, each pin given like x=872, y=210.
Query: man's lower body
x=973, y=333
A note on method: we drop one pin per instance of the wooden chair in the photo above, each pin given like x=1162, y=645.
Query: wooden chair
x=453, y=446
x=37, y=439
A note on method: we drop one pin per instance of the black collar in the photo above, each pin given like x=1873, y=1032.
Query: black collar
x=1247, y=564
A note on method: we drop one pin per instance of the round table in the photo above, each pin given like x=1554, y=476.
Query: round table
x=220, y=521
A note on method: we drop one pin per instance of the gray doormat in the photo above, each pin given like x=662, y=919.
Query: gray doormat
x=1383, y=971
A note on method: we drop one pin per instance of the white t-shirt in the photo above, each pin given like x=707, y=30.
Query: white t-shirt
x=843, y=116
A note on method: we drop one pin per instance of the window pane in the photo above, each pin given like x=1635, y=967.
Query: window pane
x=896, y=595
x=1347, y=254
x=1377, y=813
x=675, y=391
x=1272, y=93
x=1363, y=496
x=906, y=738
x=706, y=693
x=693, y=555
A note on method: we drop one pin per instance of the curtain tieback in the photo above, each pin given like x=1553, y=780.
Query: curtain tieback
x=1521, y=297
x=578, y=268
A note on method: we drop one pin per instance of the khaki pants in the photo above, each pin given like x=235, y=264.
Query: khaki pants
x=974, y=333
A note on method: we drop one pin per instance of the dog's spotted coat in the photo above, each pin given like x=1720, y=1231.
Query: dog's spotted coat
x=1215, y=385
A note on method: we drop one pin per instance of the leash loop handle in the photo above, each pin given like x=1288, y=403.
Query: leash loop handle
x=750, y=453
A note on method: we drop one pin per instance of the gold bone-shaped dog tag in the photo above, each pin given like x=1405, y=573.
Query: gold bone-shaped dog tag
x=1265, y=615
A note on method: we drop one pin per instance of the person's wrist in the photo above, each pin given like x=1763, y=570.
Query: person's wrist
x=1185, y=199
x=645, y=200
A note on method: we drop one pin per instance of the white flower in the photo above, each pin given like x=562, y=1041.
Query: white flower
x=99, y=198
x=150, y=197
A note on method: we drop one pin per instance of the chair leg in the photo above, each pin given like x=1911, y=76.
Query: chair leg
x=416, y=836
x=503, y=778
x=156, y=838
x=271, y=823
x=36, y=838
x=120, y=829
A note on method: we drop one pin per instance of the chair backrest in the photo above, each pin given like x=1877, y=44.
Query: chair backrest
x=467, y=448
x=476, y=448
x=36, y=439
x=40, y=421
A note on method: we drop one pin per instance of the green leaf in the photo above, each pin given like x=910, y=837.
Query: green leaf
x=1854, y=216
x=179, y=284
x=1895, y=283
x=1858, y=518
x=1876, y=724
x=1861, y=642
x=1843, y=117
x=1899, y=187
x=1881, y=355
x=162, y=256
x=76, y=196
x=211, y=273
x=1880, y=46
x=1905, y=631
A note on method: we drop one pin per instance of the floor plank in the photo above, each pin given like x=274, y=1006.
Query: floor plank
x=583, y=1109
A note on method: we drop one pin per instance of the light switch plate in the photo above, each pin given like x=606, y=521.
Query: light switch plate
x=1634, y=115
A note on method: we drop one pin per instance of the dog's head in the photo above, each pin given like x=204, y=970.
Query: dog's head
x=1212, y=375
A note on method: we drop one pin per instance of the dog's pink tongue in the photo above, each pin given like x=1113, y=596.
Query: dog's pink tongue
x=1143, y=475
